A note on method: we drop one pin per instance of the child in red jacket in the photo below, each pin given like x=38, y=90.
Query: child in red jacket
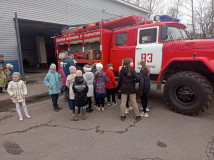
x=110, y=87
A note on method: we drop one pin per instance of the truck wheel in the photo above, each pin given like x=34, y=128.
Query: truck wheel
x=188, y=93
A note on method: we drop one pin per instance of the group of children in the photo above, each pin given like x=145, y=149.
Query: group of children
x=101, y=83
x=95, y=81
x=82, y=87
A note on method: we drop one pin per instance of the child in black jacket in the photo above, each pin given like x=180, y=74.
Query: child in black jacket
x=80, y=90
x=144, y=87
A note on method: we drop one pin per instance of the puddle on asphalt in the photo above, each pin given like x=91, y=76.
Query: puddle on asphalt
x=161, y=144
x=12, y=148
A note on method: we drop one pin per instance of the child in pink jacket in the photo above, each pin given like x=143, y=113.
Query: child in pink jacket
x=63, y=77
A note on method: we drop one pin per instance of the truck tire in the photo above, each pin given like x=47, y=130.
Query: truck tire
x=188, y=93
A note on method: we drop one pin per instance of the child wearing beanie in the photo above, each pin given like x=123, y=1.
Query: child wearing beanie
x=63, y=77
x=79, y=73
x=69, y=83
x=53, y=82
x=100, y=82
x=80, y=89
x=89, y=78
x=18, y=91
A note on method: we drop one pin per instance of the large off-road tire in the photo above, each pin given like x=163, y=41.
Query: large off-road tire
x=188, y=93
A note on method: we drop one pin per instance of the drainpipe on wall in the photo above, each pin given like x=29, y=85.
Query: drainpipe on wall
x=21, y=69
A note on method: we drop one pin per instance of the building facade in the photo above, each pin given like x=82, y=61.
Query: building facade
x=39, y=19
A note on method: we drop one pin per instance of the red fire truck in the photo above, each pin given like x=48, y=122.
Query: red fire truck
x=185, y=66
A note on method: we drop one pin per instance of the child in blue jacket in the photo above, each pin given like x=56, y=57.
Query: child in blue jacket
x=53, y=82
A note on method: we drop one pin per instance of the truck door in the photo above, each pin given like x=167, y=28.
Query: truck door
x=119, y=49
x=149, y=49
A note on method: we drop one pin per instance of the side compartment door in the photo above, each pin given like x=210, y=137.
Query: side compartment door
x=119, y=49
x=149, y=49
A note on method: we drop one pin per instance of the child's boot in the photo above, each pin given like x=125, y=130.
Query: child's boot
x=57, y=106
x=83, y=112
x=28, y=116
x=90, y=109
x=75, y=117
x=55, y=109
x=20, y=119
x=65, y=99
x=87, y=109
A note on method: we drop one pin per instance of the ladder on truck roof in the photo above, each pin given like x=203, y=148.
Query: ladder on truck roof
x=116, y=23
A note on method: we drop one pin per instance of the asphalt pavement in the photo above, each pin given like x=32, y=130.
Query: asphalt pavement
x=50, y=135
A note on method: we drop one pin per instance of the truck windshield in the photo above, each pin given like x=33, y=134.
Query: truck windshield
x=175, y=33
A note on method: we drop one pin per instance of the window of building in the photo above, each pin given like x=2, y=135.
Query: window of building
x=121, y=39
x=148, y=36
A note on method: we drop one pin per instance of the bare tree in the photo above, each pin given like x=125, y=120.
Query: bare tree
x=200, y=18
x=174, y=9
x=204, y=17
x=172, y=12
x=138, y=2
x=211, y=29
x=189, y=5
x=155, y=6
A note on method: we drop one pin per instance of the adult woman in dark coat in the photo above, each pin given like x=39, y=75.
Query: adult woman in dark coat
x=126, y=85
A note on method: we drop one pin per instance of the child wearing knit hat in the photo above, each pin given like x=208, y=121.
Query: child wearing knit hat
x=72, y=69
x=18, y=91
x=53, y=82
x=89, y=78
x=100, y=82
x=69, y=83
x=78, y=73
x=80, y=89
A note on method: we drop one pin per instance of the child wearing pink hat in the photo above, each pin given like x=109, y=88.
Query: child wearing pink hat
x=69, y=83
x=80, y=89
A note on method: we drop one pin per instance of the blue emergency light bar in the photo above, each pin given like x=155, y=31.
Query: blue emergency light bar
x=165, y=18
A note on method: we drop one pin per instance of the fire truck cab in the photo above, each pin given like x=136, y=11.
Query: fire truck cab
x=186, y=67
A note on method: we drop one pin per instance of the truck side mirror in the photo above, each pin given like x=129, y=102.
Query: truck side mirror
x=163, y=33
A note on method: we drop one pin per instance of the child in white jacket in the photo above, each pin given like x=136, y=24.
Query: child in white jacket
x=69, y=83
x=89, y=78
x=18, y=91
